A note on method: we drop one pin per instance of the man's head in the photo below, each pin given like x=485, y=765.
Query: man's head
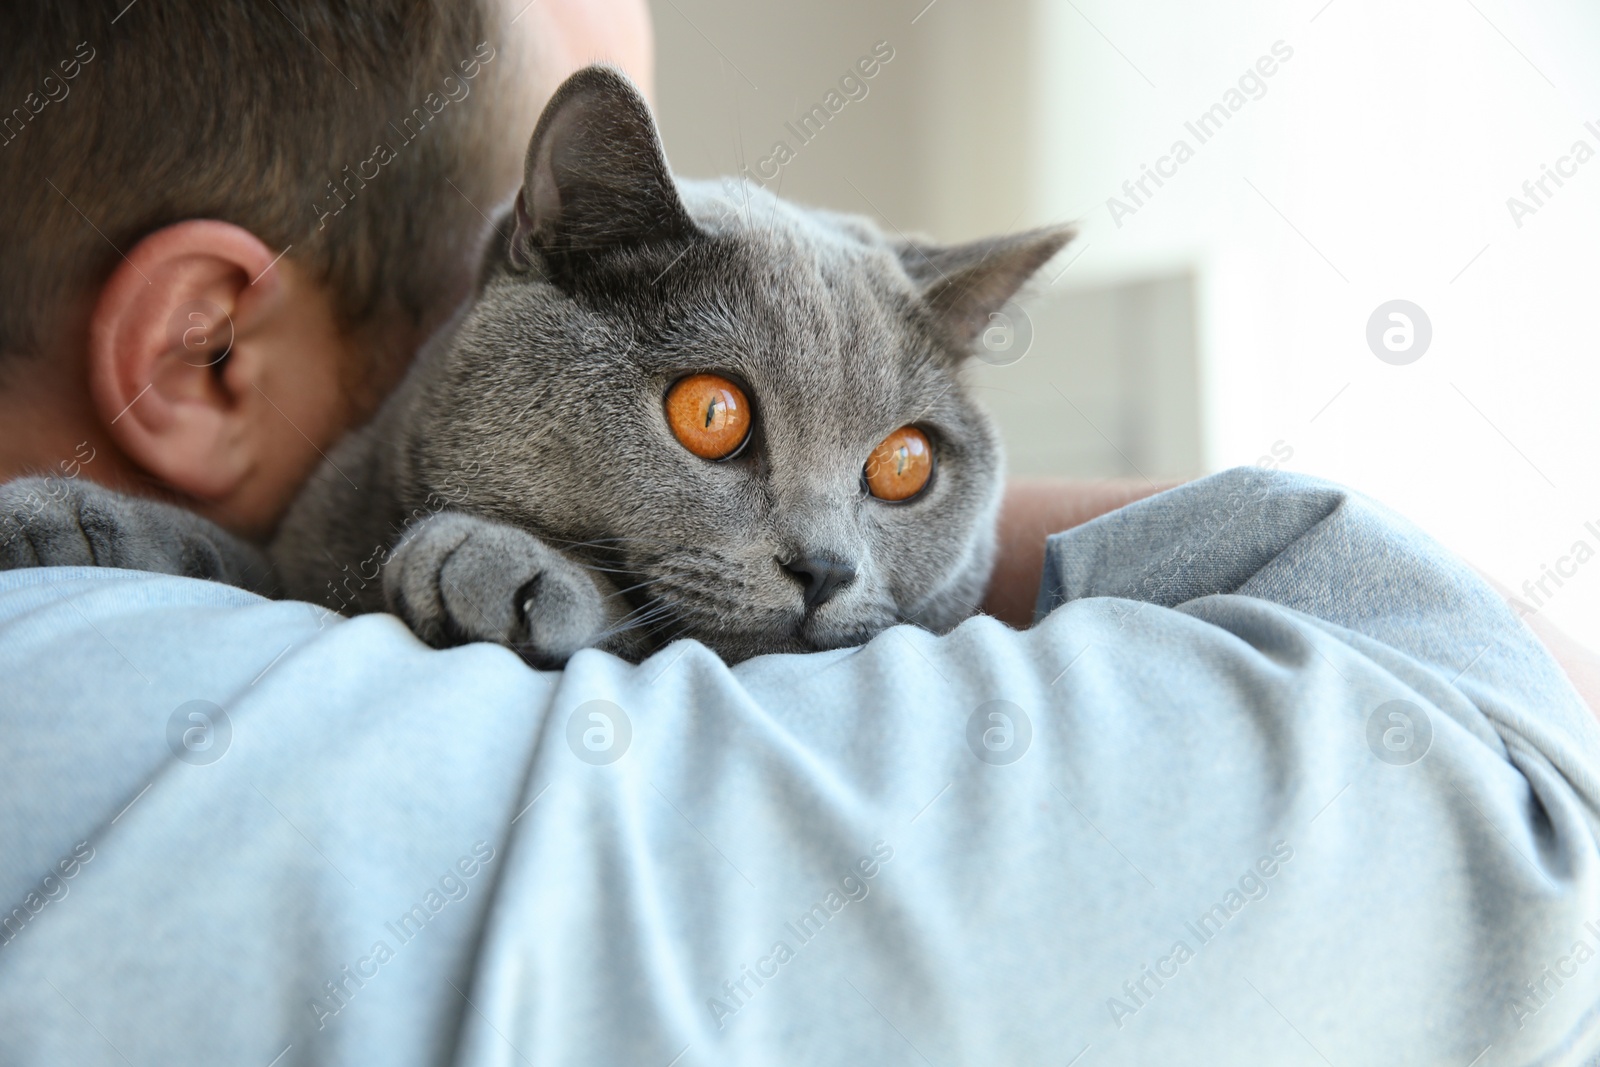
x=229, y=225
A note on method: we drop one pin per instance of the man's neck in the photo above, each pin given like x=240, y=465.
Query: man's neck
x=48, y=425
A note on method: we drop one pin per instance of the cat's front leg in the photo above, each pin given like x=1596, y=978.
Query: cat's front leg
x=56, y=522
x=456, y=578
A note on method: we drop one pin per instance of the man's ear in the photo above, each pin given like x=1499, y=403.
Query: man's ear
x=175, y=354
x=965, y=284
x=596, y=176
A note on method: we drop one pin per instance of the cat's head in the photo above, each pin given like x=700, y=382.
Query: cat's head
x=752, y=415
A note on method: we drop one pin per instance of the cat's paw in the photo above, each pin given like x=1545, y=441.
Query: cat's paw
x=55, y=522
x=457, y=578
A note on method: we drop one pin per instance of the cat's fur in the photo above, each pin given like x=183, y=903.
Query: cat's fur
x=523, y=485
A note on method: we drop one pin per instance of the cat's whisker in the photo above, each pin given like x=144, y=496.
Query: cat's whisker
x=639, y=585
x=648, y=610
x=628, y=572
x=664, y=613
x=606, y=540
x=615, y=543
x=682, y=628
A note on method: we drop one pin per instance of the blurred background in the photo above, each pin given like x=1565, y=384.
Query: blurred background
x=1257, y=184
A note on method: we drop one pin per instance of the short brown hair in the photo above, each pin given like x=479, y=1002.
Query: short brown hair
x=118, y=118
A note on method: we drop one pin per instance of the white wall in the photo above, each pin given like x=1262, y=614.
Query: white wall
x=1377, y=166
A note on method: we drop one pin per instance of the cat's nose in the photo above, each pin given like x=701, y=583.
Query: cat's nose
x=819, y=577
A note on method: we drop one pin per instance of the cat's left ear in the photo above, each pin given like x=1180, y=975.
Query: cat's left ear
x=596, y=176
x=965, y=284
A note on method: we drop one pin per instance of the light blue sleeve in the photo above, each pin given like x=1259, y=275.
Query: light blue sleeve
x=1273, y=779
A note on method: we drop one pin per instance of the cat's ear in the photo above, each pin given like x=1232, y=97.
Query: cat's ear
x=595, y=176
x=965, y=284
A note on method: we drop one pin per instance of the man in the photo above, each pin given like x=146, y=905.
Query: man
x=1272, y=778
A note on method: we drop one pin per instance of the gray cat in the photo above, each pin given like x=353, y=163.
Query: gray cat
x=674, y=409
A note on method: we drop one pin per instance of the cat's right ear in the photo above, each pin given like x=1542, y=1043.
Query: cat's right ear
x=965, y=284
x=596, y=177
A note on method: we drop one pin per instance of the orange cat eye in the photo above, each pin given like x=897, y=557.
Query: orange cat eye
x=899, y=468
x=709, y=415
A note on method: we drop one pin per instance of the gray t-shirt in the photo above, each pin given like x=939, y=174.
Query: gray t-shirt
x=1273, y=780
